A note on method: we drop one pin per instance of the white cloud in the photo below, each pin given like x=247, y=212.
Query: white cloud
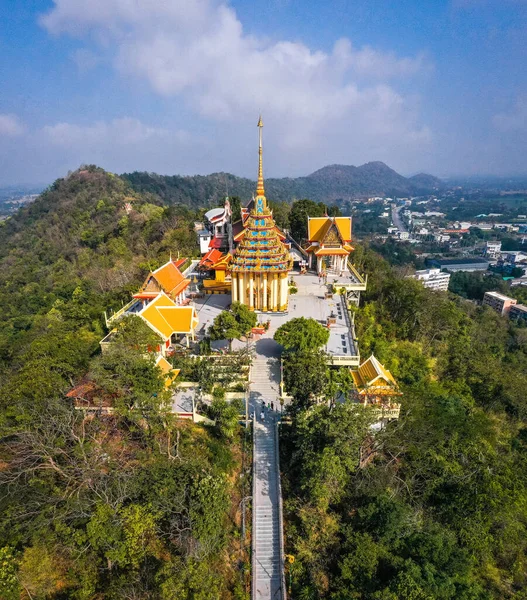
x=119, y=132
x=85, y=59
x=197, y=49
x=10, y=125
x=513, y=120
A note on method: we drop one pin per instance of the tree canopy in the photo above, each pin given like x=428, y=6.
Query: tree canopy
x=232, y=324
x=301, y=334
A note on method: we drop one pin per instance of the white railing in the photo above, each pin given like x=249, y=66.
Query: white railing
x=280, y=514
x=361, y=281
x=121, y=311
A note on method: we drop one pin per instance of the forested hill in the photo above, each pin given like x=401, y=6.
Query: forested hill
x=325, y=185
x=134, y=504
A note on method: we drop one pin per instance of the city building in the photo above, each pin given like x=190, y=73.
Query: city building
x=433, y=279
x=441, y=238
x=498, y=302
x=459, y=264
x=514, y=256
x=492, y=249
x=261, y=261
x=518, y=312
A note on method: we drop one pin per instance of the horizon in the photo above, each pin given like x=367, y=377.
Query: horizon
x=176, y=87
x=460, y=176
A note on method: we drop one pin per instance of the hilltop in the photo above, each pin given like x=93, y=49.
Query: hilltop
x=327, y=184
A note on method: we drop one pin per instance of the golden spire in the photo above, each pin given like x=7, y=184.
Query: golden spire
x=260, y=184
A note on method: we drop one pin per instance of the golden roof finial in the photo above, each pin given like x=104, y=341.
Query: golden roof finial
x=260, y=183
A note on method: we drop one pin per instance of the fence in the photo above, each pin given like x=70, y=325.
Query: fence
x=280, y=515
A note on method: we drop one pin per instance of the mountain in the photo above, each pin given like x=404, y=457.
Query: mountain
x=426, y=181
x=328, y=184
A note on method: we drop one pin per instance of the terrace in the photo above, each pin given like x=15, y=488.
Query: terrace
x=311, y=301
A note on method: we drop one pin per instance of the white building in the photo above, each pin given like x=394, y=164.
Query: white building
x=441, y=238
x=492, y=249
x=514, y=256
x=499, y=302
x=433, y=279
x=403, y=235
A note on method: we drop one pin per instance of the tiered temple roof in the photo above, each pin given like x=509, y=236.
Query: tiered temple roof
x=261, y=248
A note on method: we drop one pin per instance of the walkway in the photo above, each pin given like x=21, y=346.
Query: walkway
x=267, y=553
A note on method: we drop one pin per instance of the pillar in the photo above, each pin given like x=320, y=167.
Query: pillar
x=241, y=288
x=264, y=291
x=234, y=287
x=283, y=291
x=274, y=302
x=251, y=291
x=319, y=264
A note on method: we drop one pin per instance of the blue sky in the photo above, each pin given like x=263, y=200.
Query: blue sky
x=175, y=86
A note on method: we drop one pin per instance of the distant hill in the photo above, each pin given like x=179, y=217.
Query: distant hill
x=328, y=184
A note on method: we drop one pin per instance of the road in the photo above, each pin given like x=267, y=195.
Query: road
x=396, y=218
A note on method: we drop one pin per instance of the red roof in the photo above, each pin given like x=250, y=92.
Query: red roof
x=211, y=258
x=215, y=242
x=179, y=262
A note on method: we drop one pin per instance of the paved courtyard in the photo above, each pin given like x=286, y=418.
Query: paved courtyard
x=309, y=302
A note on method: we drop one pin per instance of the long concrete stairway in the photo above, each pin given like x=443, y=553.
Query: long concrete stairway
x=268, y=581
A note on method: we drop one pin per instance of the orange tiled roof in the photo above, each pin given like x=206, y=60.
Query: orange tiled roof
x=168, y=278
x=167, y=370
x=166, y=318
x=331, y=252
x=319, y=226
x=372, y=374
x=211, y=257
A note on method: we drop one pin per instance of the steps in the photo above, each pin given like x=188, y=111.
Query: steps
x=267, y=559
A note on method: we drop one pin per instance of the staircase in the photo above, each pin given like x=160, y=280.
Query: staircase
x=268, y=581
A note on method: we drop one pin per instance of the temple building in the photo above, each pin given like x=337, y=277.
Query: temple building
x=167, y=279
x=216, y=231
x=375, y=386
x=329, y=243
x=261, y=262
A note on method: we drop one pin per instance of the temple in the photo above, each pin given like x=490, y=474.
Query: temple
x=375, y=386
x=329, y=243
x=261, y=262
x=167, y=279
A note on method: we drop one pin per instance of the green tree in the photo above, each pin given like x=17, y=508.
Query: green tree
x=300, y=211
x=301, y=334
x=232, y=324
x=305, y=376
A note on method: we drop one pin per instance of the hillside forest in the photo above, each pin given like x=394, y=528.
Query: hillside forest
x=135, y=504
x=433, y=506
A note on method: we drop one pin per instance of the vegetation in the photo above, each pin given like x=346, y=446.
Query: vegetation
x=232, y=324
x=131, y=504
x=302, y=335
x=327, y=185
x=433, y=505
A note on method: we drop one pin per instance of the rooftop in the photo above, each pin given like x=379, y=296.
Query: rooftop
x=460, y=261
x=499, y=296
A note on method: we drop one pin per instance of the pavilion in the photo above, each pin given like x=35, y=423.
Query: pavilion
x=329, y=243
x=375, y=385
